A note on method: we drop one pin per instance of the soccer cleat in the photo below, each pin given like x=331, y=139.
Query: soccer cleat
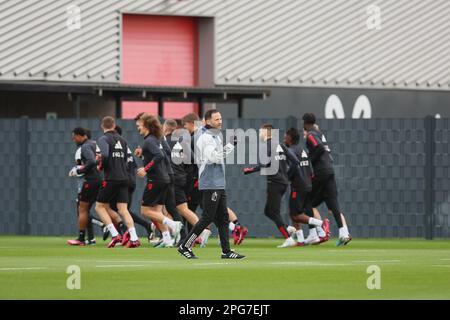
x=163, y=244
x=232, y=255
x=236, y=234
x=125, y=238
x=186, y=252
x=326, y=228
x=76, y=242
x=323, y=239
x=289, y=242
x=115, y=240
x=91, y=242
x=312, y=240
x=300, y=244
x=242, y=233
x=204, y=237
x=133, y=244
x=342, y=241
x=105, y=233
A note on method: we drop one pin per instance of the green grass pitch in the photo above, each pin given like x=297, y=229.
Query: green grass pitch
x=35, y=268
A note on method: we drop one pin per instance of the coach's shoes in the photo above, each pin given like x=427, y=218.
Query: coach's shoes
x=232, y=255
x=289, y=242
x=115, y=240
x=76, y=242
x=133, y=244
x=125, y=238
x=187, y=253
x=312, y=240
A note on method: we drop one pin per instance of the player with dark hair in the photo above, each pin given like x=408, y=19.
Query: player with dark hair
x=87, y=168
x=278, y=181
x=113, y=150
x=300, y=207
x=156, y=169
x=324, y=187
x=211, y=154
x=190, y=123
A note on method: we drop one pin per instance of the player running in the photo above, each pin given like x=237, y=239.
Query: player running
x=277, y=182
x=113, y=151
x=324, y=183
x=300, y=207
x=156, y=170
x=211, y=154
x=87, y=170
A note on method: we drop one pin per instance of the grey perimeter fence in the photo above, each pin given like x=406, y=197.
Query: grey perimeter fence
x=392, y=176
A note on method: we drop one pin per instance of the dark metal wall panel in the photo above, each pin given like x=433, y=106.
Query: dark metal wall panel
x=380, y=172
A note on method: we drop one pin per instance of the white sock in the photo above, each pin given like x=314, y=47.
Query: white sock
x=320, y=232
x=231, y=226
x=112, y=230
x=170, y=223
x=313, y=233
x=346, y=230
x=300, y=236
x=133, y=234
x=166, y=237
x=315, y=222
x=343, y=232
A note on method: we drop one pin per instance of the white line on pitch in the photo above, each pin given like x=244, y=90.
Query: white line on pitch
x=441, y=265
x=210, y=264
x=376, y=261
x=312, y=264
x=20, y=269
x=121, y=261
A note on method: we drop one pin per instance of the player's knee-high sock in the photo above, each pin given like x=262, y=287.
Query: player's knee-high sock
x=276, y=218
x=140, y=221
x=90, y=229
x=333, y=205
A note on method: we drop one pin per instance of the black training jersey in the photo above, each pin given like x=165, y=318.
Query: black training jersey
x=113, y=149
x=301, y=177
x=192, y=168
x=155, y=160
x=285, y=160
x=88, y=161
x=177, y=160
x=319, y=152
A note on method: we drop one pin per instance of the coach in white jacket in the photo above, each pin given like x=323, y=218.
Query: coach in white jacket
x=210, y=154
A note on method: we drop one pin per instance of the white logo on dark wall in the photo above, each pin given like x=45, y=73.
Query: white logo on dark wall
x=335, y=110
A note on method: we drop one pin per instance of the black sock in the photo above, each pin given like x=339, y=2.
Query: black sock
x=81, y=235
x=122, y=228
x=90, y=230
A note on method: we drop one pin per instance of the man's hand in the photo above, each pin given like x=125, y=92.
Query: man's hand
x=141, y=172
x=73, y=172
x=138, y=152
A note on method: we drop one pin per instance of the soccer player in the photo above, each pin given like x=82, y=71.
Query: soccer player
x=292, y=141
x=211, y=154
x=190, y=123
x=91, y=182
x=277, y=182
x=131, y=168
x=113, y=151
x=179, y=162
x=156, y=170
x=324, y=187
x=300, y=207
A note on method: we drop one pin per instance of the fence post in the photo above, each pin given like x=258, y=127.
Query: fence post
x=430, y=149
x=24, y=206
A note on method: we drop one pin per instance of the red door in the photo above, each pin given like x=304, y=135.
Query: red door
x=159, y=51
